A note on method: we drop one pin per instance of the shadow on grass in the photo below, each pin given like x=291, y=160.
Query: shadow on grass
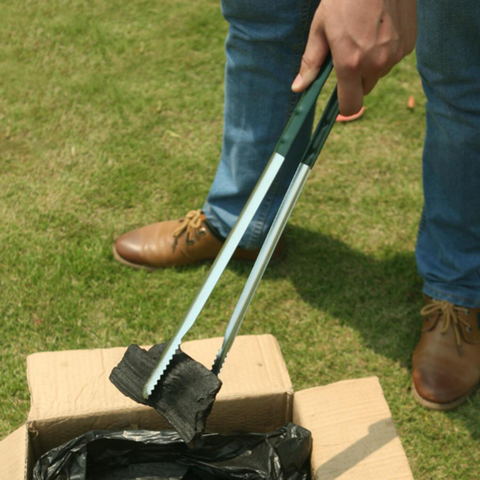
x=379, y=297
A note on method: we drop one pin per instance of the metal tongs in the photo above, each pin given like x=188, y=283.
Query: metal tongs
x=297, y=120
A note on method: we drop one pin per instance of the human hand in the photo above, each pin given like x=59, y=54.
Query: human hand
x=366, y=38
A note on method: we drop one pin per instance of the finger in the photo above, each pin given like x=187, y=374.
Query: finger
x=350, y=94
x=315, y=53
x=375, y=75
x=368, y=84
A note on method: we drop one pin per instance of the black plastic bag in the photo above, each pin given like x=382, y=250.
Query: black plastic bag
x=147, y=455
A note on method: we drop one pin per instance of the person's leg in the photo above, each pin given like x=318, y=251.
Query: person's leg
x=448, y=248
x=264, y=47
x=448, y=245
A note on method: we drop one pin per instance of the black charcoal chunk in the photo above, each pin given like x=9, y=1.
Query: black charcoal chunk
x=184, y=395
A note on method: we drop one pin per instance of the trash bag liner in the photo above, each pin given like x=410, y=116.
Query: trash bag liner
x=148, y=455
x=184, y=395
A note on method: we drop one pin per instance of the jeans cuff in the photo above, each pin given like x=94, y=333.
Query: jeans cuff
x=220, y=228
x=456, y=299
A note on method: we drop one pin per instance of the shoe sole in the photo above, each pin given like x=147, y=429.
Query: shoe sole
x=439, y=406
x=138, y=266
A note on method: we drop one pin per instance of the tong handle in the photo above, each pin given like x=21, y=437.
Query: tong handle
x=311, y=154
x=304, y=106
x=296, y=122
x=322, y=130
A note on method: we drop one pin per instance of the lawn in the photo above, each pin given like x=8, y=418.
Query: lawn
x=111, y=118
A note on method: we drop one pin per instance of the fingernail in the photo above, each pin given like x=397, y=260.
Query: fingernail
x=297, y=82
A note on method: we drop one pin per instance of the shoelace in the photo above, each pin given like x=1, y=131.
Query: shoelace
x=450, y=315
x=190, y=224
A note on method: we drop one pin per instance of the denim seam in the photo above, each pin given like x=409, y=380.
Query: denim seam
x=422, y=223
x=211, y=218
x=259, y=224
x=430, y=290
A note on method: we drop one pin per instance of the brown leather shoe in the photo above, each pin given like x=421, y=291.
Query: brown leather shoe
x=178, y=242
x=446, y=362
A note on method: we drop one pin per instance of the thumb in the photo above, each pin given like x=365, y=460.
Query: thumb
x=315, y=53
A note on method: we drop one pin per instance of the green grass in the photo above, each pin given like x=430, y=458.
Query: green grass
x=111, y=118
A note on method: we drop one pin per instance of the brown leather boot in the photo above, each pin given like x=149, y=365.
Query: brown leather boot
x=446, y=362
x=178, y=242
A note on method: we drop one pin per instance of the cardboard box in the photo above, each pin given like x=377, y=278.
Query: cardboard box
x=353, y=432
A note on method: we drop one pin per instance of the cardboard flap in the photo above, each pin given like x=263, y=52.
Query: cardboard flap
x=72, y=389
x=14, y=455
x=354, y=434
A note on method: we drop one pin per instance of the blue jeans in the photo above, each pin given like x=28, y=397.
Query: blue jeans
x=448, y=245
x=264, y=47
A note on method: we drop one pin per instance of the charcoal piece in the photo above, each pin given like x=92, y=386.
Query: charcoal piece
x=184, y=395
